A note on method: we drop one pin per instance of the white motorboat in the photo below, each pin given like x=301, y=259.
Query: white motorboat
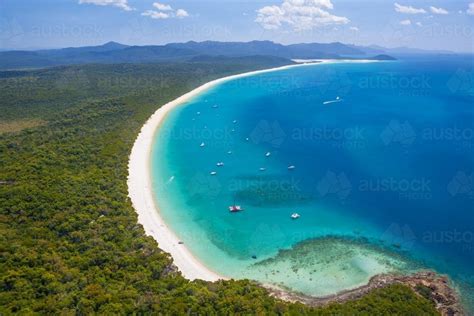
x=295, y=216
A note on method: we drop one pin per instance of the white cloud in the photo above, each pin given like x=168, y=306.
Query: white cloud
x=405, y=22
x=122, y=4
x=408, y=9
x=155, y=14
x=165, y=11
x=180, y=13
x=436, y=10
x=354, y=28
x=162, y=7
x=299, y=15
x=470, y=9
x=419, y=24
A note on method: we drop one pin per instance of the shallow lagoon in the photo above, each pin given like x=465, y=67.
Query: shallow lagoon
x=383, y=177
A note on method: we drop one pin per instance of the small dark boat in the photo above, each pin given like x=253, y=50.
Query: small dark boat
x=235, y=208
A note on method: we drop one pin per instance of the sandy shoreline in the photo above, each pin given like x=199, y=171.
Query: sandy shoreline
x=139, y=180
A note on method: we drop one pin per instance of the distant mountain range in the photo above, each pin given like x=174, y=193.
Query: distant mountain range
x=113, y=52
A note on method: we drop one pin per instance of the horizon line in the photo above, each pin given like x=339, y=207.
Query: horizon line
x=243, y=42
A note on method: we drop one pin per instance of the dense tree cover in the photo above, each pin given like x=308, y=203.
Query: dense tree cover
x=69, y=238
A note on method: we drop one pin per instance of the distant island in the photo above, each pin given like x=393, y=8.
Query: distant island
x=113, y=53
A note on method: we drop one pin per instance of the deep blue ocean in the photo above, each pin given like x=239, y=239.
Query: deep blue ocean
x=383, y=176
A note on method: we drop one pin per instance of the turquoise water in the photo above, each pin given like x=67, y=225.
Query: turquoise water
x=383, y=178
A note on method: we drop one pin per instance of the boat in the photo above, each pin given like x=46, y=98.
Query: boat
x=247, y=139
x=235, y=208
x=202, y=144
x=263, y=169
x=198, y=113
x=213, y=173
x=215, y=106
x=229, y=152
x=234, y=121
x=220, y=164
x=291, y=167
x=338, y=99
x=268, y=154
x=295, y=216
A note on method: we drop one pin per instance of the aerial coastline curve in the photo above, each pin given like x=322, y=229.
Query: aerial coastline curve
x=139, y=178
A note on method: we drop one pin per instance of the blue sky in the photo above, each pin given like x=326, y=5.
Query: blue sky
x=429, y=24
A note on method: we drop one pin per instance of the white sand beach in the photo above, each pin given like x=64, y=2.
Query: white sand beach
x=140, y=189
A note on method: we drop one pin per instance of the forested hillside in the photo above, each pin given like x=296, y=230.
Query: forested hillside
x=69, y=238
x=114, y=53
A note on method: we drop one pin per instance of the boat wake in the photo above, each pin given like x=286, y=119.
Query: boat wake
x=338, y=99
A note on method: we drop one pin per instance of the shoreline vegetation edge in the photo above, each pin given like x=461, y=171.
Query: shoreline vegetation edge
x=144, y=202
